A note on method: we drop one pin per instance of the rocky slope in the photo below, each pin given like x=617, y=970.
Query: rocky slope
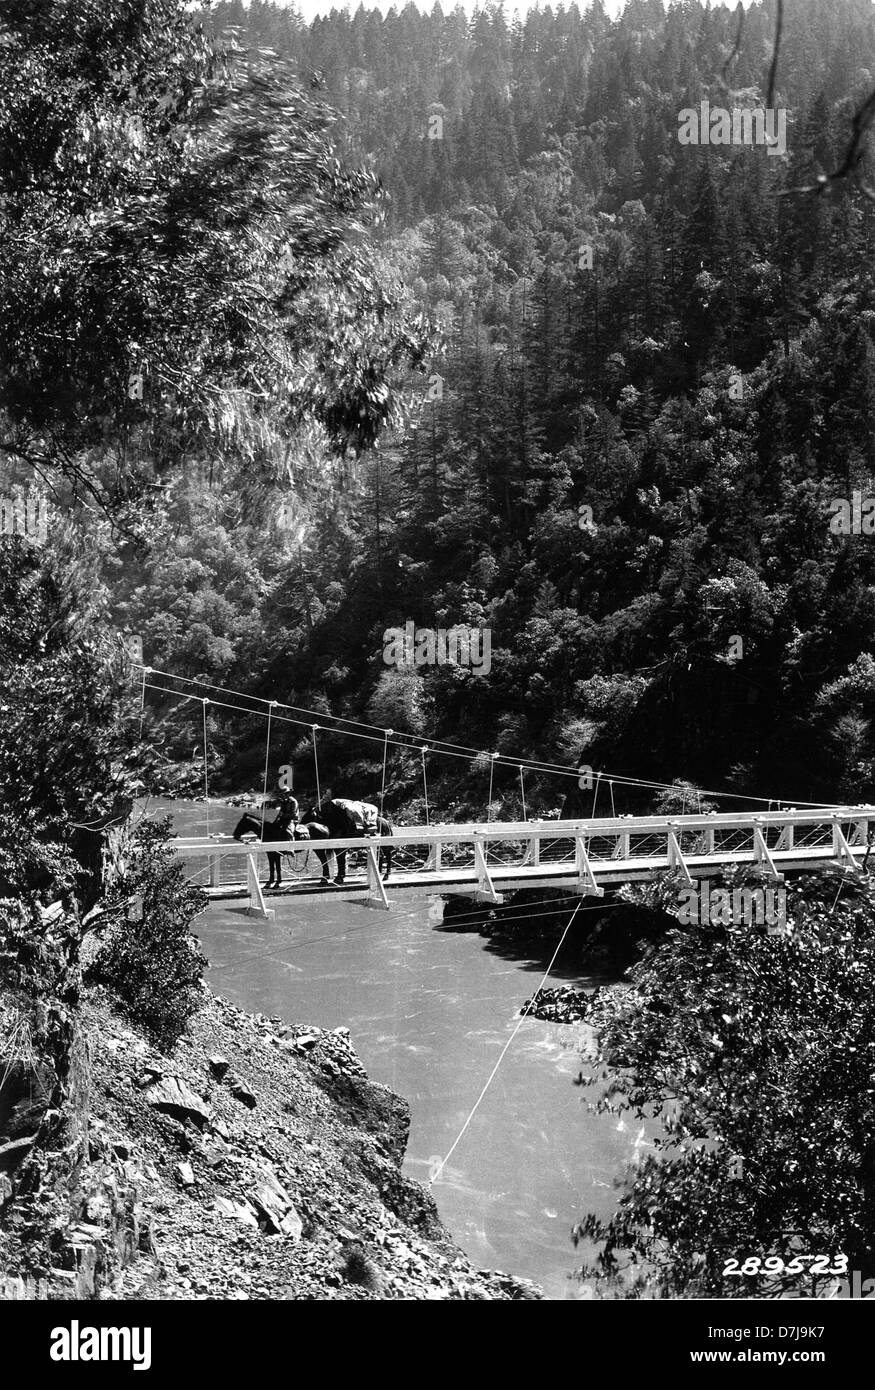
x=255, y=1162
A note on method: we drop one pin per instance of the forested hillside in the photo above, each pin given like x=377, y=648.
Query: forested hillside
x=672, y=336
x=313, y=332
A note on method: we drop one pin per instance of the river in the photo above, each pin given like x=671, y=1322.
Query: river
x=428, y=1011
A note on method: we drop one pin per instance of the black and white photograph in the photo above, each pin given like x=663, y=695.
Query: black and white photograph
x=437, y=671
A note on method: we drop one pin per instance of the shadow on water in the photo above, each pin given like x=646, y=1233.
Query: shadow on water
x=603, y=942
x=532, y=953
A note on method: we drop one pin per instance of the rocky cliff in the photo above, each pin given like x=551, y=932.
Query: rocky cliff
x=256, y=1161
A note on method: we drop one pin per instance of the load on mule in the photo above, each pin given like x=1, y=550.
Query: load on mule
x=340, y=819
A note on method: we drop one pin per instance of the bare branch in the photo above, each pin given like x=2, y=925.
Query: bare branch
x=776, y=53
x=854, y=155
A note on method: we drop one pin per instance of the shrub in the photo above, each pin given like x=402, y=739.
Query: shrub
x=154, y=965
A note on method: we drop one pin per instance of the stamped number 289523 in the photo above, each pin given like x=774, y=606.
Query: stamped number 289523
x=773, y=1264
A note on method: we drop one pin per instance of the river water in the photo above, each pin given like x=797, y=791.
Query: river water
x=429, y=1011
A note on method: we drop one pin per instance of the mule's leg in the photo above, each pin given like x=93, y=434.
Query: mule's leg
x=340, y=855
x=322, y=856
x=386, y=853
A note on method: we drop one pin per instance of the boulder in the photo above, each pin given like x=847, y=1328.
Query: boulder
x=292, y=1225
x=236, y=1211
x=275, y=1206
x=185, y=1173
x=172, y=1097
x=148, y=1076
x=240, y=1091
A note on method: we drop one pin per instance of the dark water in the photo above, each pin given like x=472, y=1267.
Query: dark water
x=429, y=1011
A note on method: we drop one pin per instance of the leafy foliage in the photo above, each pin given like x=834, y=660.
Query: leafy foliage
x=150, y=959
x=67, y=736
x=181, y=268
x=752, y=1057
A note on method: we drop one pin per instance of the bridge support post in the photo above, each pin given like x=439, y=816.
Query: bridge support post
x=376, y=892
x=842, y=850
x=256, y=906
x=675, y=857
x=486, y=890
x=586, y=884
x=762, y=855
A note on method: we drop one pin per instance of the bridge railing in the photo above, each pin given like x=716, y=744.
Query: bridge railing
x=608, y=825
x=651, y=842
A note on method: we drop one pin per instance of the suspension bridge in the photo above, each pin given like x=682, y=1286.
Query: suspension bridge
x=485, y=860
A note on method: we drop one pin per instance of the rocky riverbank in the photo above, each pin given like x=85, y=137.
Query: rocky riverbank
x=256, y=1161
x=562, y=1005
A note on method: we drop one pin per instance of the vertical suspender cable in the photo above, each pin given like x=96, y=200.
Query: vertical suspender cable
x=386, y=734
x=613, y=807
x=270, y=709
x=598, y=778
x=492, y=757
x=523, y=792
x=316, y=761
x=146, y=670
x=206, y=773
x=422, y=752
